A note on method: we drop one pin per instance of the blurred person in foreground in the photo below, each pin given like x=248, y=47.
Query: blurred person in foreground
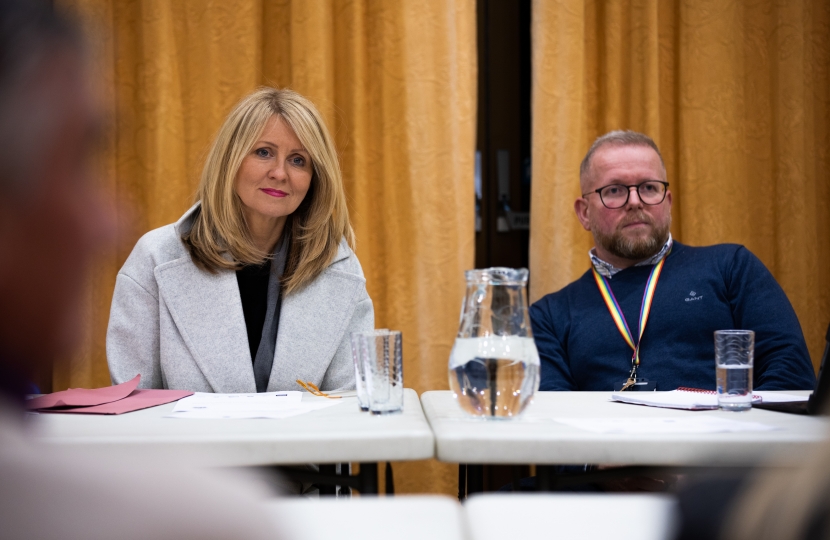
x=589, y=333
x=776, y=503
x=784, y=504
x=257, y=285
x=51, y=222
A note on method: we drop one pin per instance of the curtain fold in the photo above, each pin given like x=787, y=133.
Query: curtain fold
x=395, y=82
x=737, y=96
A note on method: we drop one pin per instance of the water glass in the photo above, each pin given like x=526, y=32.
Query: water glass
x=383, y=369
x=359, y=373
x=359, y=351
x=734, y=355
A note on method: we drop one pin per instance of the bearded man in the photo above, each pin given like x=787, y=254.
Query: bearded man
x=588, y=333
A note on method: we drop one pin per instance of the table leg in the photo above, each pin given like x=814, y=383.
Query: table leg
x=345, y=470
x=470, y=480
x=462, y=481
x=368, y=477
x=366, y=481
x=545, y=477
x=516, y=484
x=328, y=488
x=475, y=479
x=390, y=481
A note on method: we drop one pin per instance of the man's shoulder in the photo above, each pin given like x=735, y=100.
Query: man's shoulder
x=727, y=257
x=713, y=251
x=566, y=293
x=732, y=264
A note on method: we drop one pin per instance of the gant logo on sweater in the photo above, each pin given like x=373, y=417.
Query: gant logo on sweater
x=693, y=296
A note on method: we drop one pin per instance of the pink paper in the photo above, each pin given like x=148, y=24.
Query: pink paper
x=139, y=399
x=82, y=397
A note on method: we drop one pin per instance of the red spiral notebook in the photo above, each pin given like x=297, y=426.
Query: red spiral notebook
x=692, y=399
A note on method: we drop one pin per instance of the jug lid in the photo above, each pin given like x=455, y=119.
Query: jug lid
x=498, y=275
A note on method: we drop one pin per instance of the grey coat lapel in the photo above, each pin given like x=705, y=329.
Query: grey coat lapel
x=208, y=313
x=312, y=324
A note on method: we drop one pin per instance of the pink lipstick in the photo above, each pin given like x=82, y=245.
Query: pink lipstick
x=274, y=192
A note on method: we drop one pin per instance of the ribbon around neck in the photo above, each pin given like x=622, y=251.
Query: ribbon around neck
x=645, y=308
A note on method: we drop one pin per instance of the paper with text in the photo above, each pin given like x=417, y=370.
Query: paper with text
x=258, y=405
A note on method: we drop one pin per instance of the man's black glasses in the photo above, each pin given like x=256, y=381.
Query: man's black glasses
x=615, y=196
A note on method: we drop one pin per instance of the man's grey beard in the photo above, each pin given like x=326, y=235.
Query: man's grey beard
x=635, y=249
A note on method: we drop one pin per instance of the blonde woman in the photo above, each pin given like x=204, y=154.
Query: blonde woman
x=257, y=285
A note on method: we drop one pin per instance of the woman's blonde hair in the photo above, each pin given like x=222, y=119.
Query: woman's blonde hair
x=219, y=237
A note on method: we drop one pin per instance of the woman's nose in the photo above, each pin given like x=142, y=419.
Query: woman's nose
x=277, y=172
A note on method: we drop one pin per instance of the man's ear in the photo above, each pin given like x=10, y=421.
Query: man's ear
x=581, y=209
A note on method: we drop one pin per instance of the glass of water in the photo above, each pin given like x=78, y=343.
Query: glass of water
x=734, y=355
x=383, y=369
x=360, y=350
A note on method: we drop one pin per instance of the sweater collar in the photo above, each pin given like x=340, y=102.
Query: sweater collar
x=608, y=270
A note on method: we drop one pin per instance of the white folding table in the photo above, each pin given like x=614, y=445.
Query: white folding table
x=538, y=438
x=404, y=517
x=481, y=517
x=571, y=517
x=337, y=434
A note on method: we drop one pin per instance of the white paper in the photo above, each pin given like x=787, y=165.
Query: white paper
x=777, y=397
x=686, y=424
x=255, y=401
x=259, y=405
x=674, y=399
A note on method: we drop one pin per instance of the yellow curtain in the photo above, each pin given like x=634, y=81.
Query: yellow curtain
x=396, y=84
x=737, y=96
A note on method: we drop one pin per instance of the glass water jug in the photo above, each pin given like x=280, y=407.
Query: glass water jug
x=494, y=364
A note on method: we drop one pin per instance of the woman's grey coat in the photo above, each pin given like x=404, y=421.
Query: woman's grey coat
x=182, y=327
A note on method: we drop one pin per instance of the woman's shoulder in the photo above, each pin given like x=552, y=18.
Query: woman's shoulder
x=161, y=245
x=157, y=247
x=346, y=261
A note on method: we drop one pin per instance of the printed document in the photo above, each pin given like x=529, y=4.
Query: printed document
x=258, y=405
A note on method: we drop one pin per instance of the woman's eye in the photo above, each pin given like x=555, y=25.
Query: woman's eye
x=298, y=161
x=262, y=152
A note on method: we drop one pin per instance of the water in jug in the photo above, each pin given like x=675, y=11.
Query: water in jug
x=494, y=364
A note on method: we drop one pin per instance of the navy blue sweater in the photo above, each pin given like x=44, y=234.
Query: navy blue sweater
x=701, y=289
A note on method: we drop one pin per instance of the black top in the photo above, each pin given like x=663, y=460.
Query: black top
x=253, y=290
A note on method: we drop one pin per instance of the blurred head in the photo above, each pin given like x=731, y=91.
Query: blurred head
x=50, y=216
x=627, y=227
x=243, y=164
